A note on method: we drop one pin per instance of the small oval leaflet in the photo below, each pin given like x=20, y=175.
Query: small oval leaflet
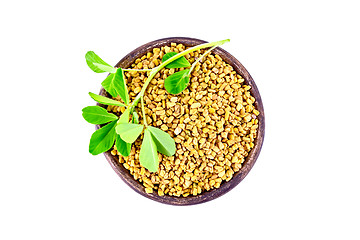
x=148, y=153
x=102, y=139
x=178, y=63
x=129, y=132
x=105, y=100
x=124, y=118
x=164, y=142
x=115, y=85
x=96, y=64
x=97, y=115
x=177, y=82
x=122, y=147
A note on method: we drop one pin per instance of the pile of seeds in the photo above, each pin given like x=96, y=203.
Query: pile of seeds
x=213, y=122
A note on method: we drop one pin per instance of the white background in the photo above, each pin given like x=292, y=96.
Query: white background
x=304, y=58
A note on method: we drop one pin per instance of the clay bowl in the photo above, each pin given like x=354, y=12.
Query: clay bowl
x=247, y=165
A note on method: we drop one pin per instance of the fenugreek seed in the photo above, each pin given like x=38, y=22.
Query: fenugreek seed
x=170, y=119
x=160, y=192
x=253, y=127
x=247, y=118
x=195, y=105
x=148, y=190
x=191, y=101
x=198, y=97
x=227, y=115
x=205, y=130
x=167, y=49
x=220, y=111
x=177, y=131
x=170, y=104
x=211, y=110
x=193, y=111
x=160, y=112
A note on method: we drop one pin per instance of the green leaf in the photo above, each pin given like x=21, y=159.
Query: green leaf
x=177, y=82
x=124, y=118
x=164, y=142
x=97, y=115
x=103, y=139
x=105, y=100
x=148, y=153
x=178, y=63
x=97, y=64
x=129, y=132
x=115, y=85
x=135, y=117
x=122, y=147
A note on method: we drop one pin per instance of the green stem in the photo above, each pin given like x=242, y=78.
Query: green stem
x=143, y=111
x=154, y=71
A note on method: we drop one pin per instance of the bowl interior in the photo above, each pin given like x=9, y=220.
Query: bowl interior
x=251, y=158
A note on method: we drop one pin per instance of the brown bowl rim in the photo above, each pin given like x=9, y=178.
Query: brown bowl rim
x=225, y=187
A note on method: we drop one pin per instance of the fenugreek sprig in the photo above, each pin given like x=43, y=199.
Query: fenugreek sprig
x=124, y=130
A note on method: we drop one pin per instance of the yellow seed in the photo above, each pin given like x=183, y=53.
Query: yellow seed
x=160, y=112
x=137, y=90
x=201, y=153
x=211, y=110
x=195, y=105
x=247, y=118
x=176, y=180
x=156, y=62
x=148, y=190
x=126, y=166
x=177, y=131
x=205, y=130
